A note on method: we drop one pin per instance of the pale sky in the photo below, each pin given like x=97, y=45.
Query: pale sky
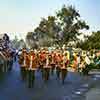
x=20, y=16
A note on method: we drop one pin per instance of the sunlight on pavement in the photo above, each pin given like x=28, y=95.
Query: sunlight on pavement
x=93, y=94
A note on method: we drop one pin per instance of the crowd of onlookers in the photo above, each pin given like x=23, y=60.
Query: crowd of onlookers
x=6, y=54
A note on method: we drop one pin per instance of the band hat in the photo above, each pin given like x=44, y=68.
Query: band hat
x=31, y=49
x=35, y=51
x=44, y=51
x=47, y=52
x=65, y=52
x=24, y=51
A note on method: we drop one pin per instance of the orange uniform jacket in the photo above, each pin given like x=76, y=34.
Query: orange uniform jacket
x=34, y=62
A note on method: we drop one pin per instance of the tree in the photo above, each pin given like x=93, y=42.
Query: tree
x=60, y=29
x=91, y=42
x=18, y=44
x=31, y=39
x=22, y=44
x=71, y=24
x=15, y=43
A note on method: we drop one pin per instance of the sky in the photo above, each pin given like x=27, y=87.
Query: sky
x=17, y=17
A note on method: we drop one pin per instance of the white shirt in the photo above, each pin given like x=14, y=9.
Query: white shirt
x=87, y=60
x=24, y=60
x=31, y=62
x=47, y=62
x=78, y=60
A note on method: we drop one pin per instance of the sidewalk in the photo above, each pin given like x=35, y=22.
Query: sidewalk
x=93, y=94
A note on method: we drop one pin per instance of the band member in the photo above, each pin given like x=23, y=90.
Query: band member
x=87, y=65
x=23, y=61
x=64, y=67
x=74, y=63
x=32, y=68
x=37, y=61
x=58, y=64
x=82, y=65
x=47, y=68
x=42, y=62
x=52, y=62
x=68, y=56
x=78, y=62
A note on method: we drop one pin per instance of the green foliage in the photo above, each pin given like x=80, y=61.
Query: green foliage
x=31, y=40
x=16, y=43
x=91, y=42
x=71, y=23
x=62, y=28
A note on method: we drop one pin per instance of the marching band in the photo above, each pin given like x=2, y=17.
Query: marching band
x=47, y=63
x=50, y=63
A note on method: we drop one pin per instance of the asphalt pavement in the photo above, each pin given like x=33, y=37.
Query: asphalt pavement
x=76, y=87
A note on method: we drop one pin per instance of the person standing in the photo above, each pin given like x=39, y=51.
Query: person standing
x=42, y=58
x=78, y=62
x=75, y=62
x=87, y=65
x=65, y=63
x=58, y=65
x=47, y=68
x=52, y=62
x=82, y=65
x=23, y=60
x=32, y=68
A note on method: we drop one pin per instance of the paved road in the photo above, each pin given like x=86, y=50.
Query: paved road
x=75, y=87
x=94, y=92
